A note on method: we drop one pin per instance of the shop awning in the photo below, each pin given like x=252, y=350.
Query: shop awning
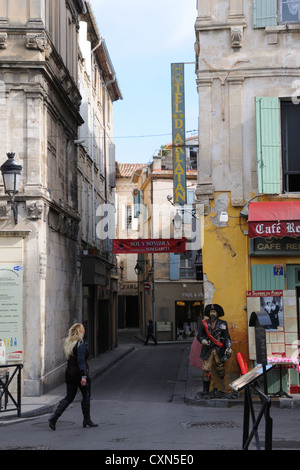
x=274, y=219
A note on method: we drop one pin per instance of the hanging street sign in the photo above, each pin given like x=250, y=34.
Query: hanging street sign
x=150, y=245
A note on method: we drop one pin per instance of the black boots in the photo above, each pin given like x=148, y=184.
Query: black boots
x=63, y=404
x=87, y=422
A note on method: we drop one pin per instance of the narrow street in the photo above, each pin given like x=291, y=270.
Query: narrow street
x=132, y=404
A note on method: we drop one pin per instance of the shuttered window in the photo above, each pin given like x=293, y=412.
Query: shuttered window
x=263, y=277
x=174, y=267
x=268, y=144
x=137, y=202
x=290, y=123
x=264, y=13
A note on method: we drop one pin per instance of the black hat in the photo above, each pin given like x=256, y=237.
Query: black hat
x=216, y=307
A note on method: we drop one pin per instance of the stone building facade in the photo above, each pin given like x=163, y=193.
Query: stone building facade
x=128, y=175
x=165, y=287
x=247, y=82
x=99, y=89
x=40, y=104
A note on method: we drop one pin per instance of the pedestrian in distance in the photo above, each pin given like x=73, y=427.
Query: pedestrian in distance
x=76, y=376
x=150, y=333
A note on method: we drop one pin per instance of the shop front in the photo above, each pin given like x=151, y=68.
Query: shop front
x=179, y=308
x=274, y=233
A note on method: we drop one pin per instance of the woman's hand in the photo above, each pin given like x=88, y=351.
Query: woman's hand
x=83, y=381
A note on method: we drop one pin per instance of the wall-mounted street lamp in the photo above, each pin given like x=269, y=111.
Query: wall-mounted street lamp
x=138, y=268
x=11, y=173
x=177, y=221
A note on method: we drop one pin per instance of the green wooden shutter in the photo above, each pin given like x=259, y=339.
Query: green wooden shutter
x=264, y=13
x=268, y=144
x=263, y=278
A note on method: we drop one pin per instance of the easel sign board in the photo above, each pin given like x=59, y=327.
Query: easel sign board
x=250, y=377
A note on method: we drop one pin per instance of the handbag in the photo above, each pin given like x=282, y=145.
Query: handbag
x=194, y=357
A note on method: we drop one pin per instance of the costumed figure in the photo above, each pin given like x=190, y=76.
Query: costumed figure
x=214, y=336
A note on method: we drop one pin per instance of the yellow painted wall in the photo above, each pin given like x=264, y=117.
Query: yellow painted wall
x=227, y=268
x=225, y=264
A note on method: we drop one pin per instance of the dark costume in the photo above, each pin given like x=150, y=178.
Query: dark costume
x=77, y=369
x=150, y=332
x=216, y=344
x=274, y=315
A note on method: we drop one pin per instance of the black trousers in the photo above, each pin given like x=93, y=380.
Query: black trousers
x=151, y=336
x=72, y=389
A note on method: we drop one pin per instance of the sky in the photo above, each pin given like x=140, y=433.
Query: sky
x=143, y=38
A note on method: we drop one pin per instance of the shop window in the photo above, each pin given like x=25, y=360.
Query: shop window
x=272, y=12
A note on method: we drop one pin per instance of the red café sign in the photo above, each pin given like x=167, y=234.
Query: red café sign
x=274, y=219
x=150, y=245
x=274, y=229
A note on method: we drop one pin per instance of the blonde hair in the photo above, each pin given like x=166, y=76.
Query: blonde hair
x=76, y=333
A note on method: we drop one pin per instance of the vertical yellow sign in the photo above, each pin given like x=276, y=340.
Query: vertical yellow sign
x=178, y=133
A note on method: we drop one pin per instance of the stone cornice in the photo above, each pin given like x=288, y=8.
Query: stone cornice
x=15, y=233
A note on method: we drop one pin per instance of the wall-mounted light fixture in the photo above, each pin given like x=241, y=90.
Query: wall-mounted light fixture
x=177, y=222
x=11, y=173
x=138, y=268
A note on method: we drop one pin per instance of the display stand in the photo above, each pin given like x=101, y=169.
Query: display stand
x=248, y=382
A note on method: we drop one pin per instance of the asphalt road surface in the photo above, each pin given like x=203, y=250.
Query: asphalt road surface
x=132, y=404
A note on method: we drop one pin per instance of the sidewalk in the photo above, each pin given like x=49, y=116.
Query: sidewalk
x=188, y=384
x=37, y=406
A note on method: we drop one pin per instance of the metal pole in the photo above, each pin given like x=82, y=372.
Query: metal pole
x=19, y=391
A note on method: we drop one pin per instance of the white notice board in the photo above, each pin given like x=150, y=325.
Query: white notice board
x=11, y=310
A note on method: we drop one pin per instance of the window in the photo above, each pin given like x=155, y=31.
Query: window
x=289, y=11
x=186, y=265
x=290, y=119
x=191, y=162
x=273, y=12
x=277, y=120
x=128, y=217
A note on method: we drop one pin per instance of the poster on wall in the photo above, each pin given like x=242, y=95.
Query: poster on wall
x=11, y=294
x=272, y=305
x=282, y=332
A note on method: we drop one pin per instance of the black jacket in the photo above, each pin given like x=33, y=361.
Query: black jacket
x=77, y=364
x=220, y=333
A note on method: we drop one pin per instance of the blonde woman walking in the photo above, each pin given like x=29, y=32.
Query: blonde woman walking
x=76, y=376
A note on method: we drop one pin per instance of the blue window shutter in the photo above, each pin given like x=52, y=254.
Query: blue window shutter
x=268, y=144
x=174, y=266
x=263, y=278
x=264, y=13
